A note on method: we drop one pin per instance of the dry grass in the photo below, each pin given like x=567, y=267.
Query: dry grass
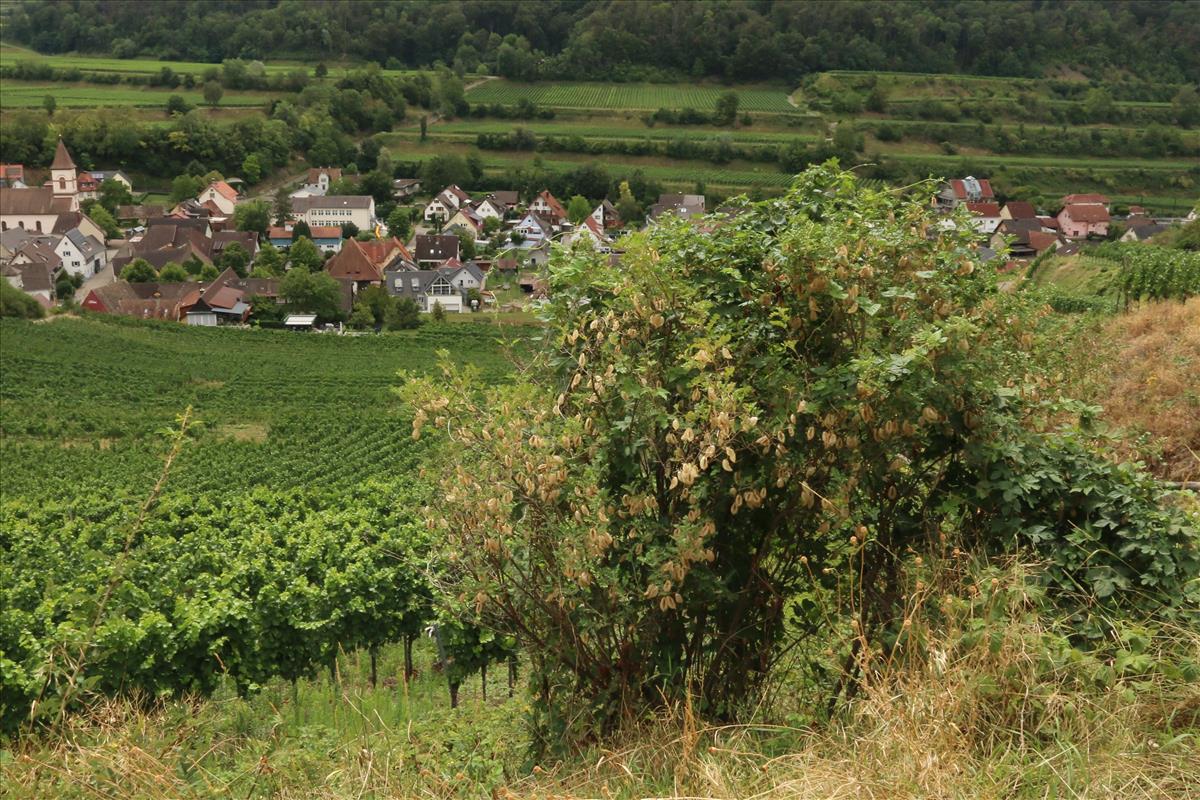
x=1005, y=716
x=1148, y=381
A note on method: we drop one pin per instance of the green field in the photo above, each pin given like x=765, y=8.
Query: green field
x=11, y=54
x=30, y=94
x=635, y=96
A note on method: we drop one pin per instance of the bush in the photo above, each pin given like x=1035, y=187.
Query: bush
x=15, y=303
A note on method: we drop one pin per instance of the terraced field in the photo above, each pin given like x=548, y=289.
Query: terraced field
x=635, y=96
x=10, y=54
x=30, y=94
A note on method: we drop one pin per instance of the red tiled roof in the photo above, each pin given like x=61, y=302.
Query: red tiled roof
x=224, y=189
x=1039, y=240
x=1019, y=209
x=983, y=209
x=1073, y=199
x=960, y=191
x=353, y=263
x=1086, y=212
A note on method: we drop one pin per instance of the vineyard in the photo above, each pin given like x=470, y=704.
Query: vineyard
x=21, y=94
x=284, y=531
x=634, y=96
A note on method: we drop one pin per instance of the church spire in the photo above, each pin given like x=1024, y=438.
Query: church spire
x=62, y=159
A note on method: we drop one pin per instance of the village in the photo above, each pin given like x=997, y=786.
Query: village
x=202, y=262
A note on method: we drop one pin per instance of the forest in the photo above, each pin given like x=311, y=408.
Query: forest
x=635, y=40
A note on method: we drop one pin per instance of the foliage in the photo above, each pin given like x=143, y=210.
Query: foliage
x=186, y=186
x=252, y=215
x=312, y=292
x=15, y=303
x=234, y=256
x=728, y=457
x=403, y=314
x=303, y=254
x=269, y=260
x=438, y=312
x=113, y=194
x=139, y=271
x=101, y=216
x=361, y=317
x=213, y=92
x=578, y=209
x=172, y=273
x=726, y=109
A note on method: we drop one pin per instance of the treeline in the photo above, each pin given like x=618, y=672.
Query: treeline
x=1152, y=142
x=320, y=122
x=635, y=40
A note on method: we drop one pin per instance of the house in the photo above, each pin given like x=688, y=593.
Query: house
x=221, y=195
x=506, y=198
x=81, y=254
x=139, y=213
x=219, y=303
x=489, y=208
x=606, y=215
x=34, y=256
x=953, y=193
x=1086, y=200
x=448, y=285
x=1018, y=209
x=1140, y=233
x=352, y=264
x=100, y=176
x=169, y=240
x=466, y=219
x=447, y=201
x=987, y=217
x=327, y=238
x=38, y=209
x=317, y=182
x=534, y=229
x=687, y=206
x=385, y=253
x=432, y=250
x=404, y=188
x=589, y=232
x=143, y=300
x=1023, y=238
x=547, y=206
x=1081, y=220
x=356, y=209
x=12, y=176
x=35, y=279
x=222, y=239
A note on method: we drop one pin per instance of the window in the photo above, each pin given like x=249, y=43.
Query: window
x=415, y=284
x=62, y=183
x=399, y=283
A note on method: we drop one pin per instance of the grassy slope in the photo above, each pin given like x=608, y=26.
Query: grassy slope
x=30, y=94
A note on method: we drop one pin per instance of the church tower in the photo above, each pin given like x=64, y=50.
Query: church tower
x=62, y=172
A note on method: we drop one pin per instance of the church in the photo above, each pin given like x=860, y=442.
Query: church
x=45, y=209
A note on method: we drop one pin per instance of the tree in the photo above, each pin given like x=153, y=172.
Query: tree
x=349, y=230
x=627, y=206
x=321, y=71
x=176, y=104
x=213, y=92
x=403, y=314
x=491, y=225
x=268, y=260
x=846, y=139
x=50, y=104
x=782, y=417
x=209, y=272
x=15, y=303
x=300, y=228
x=172, y=273
x=445, y=169
x=99, y=215
x=186, y=186
x=1186, y=106
x=361, y=317
x=252, y=168
x=305, y=255
x=193, y=265
x=1098, y=106
x=114, y=194
x=139, y=271
x=234, y=257
x=438, y=312
x=578, y=209
x=312, y=292
x=64, y=290
x=399, y=223
x=424, y=126
x=283, y=206
x=726, y=109
x=252, y=215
